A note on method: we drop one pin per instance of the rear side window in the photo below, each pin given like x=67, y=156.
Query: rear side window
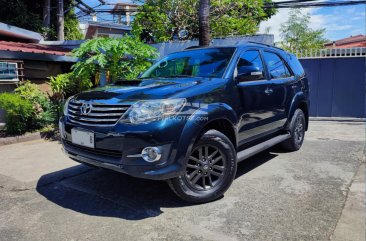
x=295, y=65
x=276, y=67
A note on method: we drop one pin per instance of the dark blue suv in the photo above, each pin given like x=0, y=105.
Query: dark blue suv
x=191, y=117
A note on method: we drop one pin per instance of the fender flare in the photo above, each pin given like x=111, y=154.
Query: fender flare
x=194, y=126
x=297, y=100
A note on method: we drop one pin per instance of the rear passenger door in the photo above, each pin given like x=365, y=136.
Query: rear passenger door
x=280, y=86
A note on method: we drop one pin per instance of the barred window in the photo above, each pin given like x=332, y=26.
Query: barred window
x=8, y=71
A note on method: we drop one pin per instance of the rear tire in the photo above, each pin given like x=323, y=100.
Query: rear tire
x=297, y=132
x=210, y=169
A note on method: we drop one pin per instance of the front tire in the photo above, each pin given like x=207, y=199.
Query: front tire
x=297, y=132
x=210, y=169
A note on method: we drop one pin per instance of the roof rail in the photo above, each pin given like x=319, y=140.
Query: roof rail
x=268, y=45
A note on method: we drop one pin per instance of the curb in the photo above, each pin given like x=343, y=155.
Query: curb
x=18, y=139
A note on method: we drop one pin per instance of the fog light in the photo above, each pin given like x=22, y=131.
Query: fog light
x=151, y=154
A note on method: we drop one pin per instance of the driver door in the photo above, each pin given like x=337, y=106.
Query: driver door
x=254, y=92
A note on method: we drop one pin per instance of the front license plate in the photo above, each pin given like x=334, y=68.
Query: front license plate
x=83, y=138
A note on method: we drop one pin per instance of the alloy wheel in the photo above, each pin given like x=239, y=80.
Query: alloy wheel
x=205, y=168
x=299, y=129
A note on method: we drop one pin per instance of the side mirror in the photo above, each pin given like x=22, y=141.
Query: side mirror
x=249, y=73
x=163, y=64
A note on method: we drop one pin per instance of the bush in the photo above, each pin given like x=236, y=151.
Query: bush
x=40, y=102
x=19, y=112
x=66, y=85
x=31, y=92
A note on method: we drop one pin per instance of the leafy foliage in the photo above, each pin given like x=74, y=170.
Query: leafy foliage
x=19, y=112
x=121, y=58
x=156, y=21
x=59, y=85
x=297, y=35
x=72, y=30
x=227, y=17
x=17, y=13
x=29, y=14
x=31, y=92
x=63, y=86
x=42, y=109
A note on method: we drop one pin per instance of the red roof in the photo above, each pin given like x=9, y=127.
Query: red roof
x=33, y=48
x=358, y=40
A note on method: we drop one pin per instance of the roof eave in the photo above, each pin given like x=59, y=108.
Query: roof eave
x=36, y=56
x=15, y=32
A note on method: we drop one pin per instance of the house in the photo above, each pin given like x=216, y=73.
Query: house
x=350, y=42
x=123, y=13
x=115, y=25
x=106, y=29
x=24, y=56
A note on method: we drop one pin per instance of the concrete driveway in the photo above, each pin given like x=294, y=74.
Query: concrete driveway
x=316, y=193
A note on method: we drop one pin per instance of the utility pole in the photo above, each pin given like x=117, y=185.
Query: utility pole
x=60, y=21
x=204, y=24
x=46, y=15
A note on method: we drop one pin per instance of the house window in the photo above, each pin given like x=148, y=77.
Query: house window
x=8, y=71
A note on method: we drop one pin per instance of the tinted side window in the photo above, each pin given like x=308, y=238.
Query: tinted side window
x=295, y=65
x=252, y=59
x=276, y=67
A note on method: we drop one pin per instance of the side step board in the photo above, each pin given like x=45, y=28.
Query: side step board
x=244, y=154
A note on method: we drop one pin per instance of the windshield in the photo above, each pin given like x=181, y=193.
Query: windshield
x=210, y=62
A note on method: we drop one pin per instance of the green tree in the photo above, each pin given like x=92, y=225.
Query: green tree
x=297, y=35
x=72, y=30
x=163, y=18
x=28, y=15
x=121, y=58
x=18, y=13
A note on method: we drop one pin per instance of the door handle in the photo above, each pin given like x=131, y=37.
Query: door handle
x=268, y=91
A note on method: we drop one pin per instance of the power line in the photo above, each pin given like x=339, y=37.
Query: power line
x=89, y=9
x=275, y=5
x=310, y=3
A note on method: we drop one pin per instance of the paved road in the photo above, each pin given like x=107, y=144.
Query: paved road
x=276, y=196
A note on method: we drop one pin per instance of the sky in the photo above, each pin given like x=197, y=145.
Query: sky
x=339, y=22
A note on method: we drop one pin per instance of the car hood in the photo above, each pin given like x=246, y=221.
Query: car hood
x=146, y=90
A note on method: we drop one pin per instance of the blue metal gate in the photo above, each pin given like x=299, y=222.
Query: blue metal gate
x=337, y=86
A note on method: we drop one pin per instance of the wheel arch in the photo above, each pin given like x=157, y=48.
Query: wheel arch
x=222, y=125
x=299, y=102
x=304, y=107
x=220, y=117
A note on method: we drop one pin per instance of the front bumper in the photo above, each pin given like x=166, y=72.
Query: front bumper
x=116, y=148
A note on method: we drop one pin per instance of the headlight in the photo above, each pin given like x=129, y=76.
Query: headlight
x=66, y=105
x=147, y=111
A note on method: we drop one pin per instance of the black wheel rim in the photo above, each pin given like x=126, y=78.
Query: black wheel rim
x=205, y=168
x=299, y=129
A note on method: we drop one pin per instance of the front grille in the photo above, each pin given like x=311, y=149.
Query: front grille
x=100, y=114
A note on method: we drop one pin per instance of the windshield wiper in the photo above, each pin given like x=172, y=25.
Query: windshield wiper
x=178, y=75
x=171, y=76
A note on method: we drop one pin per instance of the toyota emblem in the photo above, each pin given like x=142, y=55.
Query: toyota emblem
x=86, y=108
